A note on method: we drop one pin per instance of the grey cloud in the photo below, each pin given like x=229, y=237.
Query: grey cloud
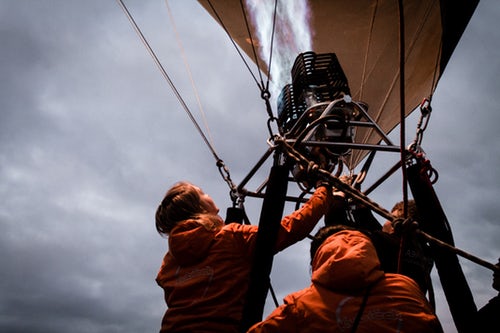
x=91, y=136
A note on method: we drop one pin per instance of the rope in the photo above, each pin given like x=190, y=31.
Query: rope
x=337, y=183
x=362, y=198
x=414, y=40
x=234, y=43
x=222, y=168
x=354, y=193
x=367, y=50
x=402, y=97
x=264, y=88
x=256, y=58
x=188, y=69
x=272, y=44
x=402, y=129
x=479, y=261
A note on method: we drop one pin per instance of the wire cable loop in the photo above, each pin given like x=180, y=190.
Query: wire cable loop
x=269, y=121
x=414, y=155
x=275, y=140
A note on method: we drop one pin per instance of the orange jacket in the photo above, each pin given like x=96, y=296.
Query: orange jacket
x=205, y=274
x=344, y=267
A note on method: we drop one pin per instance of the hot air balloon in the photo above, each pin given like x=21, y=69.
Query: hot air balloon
x=370, y=64
x=365, y=38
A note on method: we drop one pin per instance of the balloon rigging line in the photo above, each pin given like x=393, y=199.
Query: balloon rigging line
x=414, y=40
x=363, y=198
x=235, y=46
x=363, y=73
x=272, y=43
x=188, y=69
x=220, y=163
x=372, y=23
x=256, y=59
x=165, y=75
x=402, y=109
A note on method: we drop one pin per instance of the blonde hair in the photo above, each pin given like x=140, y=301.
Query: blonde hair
x=182, y=202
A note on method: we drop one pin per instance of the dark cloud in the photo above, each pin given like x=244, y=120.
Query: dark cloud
x=91, y=135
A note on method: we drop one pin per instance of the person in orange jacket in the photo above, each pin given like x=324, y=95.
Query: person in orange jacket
x=416, y=259
x=350, y=293
x=403, y=252
x=205, y=273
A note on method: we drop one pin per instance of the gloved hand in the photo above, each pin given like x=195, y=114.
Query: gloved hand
x=404, y=226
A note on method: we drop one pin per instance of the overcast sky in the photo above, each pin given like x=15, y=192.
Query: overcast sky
x=91, y=136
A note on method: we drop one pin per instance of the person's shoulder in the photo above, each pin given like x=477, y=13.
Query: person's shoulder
x=239, y=228
x=400, y=281
x=241, y=236
x=300, y=297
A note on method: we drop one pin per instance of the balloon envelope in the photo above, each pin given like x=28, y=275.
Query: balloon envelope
x=364, y=34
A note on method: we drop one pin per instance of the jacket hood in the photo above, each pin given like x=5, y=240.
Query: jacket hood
x=189, y=242
x=346, y=261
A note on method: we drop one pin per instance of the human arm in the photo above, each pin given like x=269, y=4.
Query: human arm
x=300, y=223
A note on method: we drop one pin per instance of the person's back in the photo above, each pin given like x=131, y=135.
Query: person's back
x=205, y=284
x=350, y=290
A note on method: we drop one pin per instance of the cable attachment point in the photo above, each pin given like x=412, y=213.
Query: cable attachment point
x=419, y=158
x=276, y=140
x=404, y=226
x=265, y=94
x=425, y=107
x=269, y=121
x=237, y=198
x=425, y=112
x=312, y=168
x=224, y=171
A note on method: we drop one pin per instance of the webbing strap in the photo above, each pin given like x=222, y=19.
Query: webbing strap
x=269, y=224
x=360, y=311
x=434, y=222
x=234, y=215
